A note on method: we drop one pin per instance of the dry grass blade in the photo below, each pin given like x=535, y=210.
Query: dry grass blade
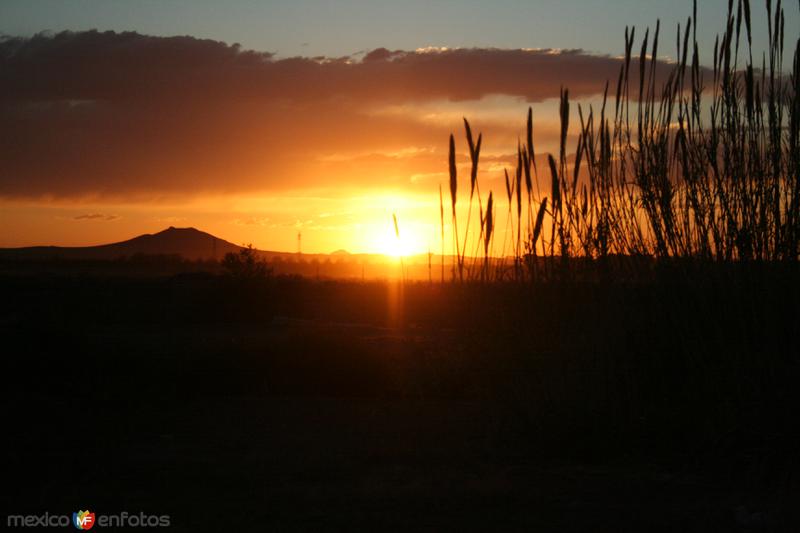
x=519, y=185
x=537, y=228
x=470, y=142
x=529, y=131
x=489, y=225
x=453, y=174
x=526, y=165
x=441, y=221
x=555, y=188
x=476, y=154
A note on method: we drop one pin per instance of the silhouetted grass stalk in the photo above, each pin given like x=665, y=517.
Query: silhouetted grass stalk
x=673, y=169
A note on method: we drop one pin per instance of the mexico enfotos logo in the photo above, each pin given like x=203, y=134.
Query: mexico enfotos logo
x=84, y=520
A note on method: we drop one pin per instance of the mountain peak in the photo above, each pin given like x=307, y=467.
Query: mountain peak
x=173, y=229
x=189, y=243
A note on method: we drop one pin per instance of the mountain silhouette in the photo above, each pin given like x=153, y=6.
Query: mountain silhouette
x=189, y=243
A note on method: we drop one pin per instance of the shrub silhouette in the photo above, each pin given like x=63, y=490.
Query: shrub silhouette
x=246, y=265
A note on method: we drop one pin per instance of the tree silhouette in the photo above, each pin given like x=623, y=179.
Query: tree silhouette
x=246, y=265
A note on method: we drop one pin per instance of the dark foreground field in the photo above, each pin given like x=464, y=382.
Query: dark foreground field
x=666, y=405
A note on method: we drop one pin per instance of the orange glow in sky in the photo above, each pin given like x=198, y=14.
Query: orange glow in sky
x=307, y=146
x=342, y=199
x=106, y=135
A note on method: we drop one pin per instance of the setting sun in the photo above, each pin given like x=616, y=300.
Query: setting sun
x=396, y=246
x=410, y=241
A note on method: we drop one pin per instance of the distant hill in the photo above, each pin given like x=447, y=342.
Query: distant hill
x=189, y=243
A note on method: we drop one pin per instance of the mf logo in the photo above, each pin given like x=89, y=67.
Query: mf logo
x=83, y=519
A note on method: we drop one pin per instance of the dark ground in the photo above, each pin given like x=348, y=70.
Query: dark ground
x=296, y=405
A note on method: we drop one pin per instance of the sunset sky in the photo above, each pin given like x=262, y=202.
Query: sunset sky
x=325, y=118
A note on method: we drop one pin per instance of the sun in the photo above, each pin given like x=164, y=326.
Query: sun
x=395, y=225
x=409, y=242
x=395, y=247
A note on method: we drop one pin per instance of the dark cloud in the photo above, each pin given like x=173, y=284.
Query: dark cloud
x=381, y=54
x=129, y=66
x=116, y=114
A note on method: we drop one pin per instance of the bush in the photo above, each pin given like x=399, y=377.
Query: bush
x=246, y=265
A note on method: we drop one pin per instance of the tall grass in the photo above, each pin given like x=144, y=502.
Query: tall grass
x=697, y=162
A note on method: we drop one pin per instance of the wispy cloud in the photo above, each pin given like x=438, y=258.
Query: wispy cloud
x=96, y=216
x=252, y=221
